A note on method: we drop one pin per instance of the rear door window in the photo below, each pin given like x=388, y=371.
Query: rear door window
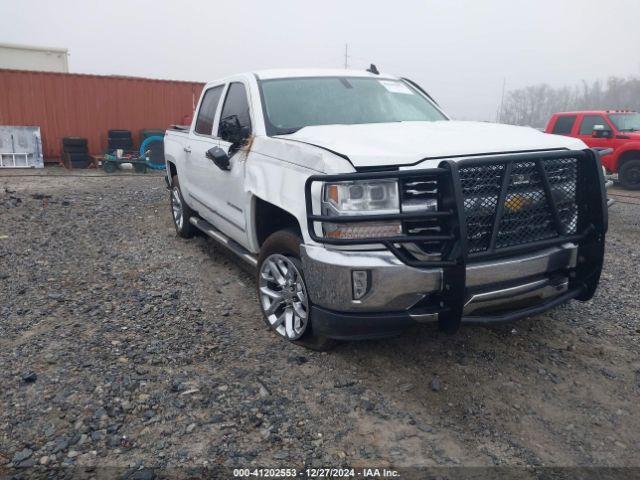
x=207, y=112
x=564, y=124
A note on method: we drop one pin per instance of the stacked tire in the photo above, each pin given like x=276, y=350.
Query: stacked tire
x=150, y=132
x=75, y=153
x=120, y=139
x=157, y=148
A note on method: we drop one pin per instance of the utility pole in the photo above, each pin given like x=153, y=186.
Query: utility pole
x=346, y=56
x=504, y=86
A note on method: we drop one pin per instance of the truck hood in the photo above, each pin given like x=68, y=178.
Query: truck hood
x=406, y=143
x=635, y=135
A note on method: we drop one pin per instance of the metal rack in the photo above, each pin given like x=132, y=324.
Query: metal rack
x=9, y=160
x=20, y=147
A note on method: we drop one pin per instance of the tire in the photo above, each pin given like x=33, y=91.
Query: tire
x=629, y=174
x=120, y=134
x=139, y=167
x=78, y=164
x=78, y=157
x=75, y=149
x=74, y=142
x=150, y=132
x=79, y=160
x=281, y=250
x=157, y=154
x=156, y=145
x=109, y=166
x=184, y=228
x=125, y=143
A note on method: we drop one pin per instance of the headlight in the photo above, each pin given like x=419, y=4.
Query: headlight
x=364, y=197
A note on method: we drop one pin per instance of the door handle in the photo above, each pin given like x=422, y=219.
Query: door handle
x=187, y=149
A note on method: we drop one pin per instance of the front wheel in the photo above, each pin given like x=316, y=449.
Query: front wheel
x=282, y=291
x=629, y=174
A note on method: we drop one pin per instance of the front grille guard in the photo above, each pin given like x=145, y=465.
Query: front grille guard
x=455, y=253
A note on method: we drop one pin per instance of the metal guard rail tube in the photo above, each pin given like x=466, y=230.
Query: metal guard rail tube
x=590, y=230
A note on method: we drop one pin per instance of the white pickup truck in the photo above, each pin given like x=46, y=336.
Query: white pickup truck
x=365, y=209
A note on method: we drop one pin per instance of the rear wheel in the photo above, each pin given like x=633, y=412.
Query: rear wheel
x=180, y=211
x=629, y=174
x=282, y=291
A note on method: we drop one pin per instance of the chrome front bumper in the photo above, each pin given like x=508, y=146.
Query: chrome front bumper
x=395, y=286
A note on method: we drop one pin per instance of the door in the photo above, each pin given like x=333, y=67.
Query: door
x=607, y=138
x=236, y=113
x=202, y=197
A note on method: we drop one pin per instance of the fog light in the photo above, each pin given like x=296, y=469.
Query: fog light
x=360, y=281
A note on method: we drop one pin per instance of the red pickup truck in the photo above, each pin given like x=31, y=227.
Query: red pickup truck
x=618, y=130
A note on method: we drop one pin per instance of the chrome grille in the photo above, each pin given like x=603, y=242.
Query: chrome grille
x=420, y=194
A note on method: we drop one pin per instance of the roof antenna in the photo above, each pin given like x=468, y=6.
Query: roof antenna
x=373, y=69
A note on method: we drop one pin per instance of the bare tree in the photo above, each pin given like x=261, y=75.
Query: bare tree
x=534, y=105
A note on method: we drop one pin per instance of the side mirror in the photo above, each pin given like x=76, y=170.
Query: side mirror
x=601, y=131
x=219, y=158
x=232, y=131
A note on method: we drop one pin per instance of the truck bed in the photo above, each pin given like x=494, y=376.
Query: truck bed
x=178, y=128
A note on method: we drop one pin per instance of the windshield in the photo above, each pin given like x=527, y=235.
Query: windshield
x=293, y=103
x=626, y=122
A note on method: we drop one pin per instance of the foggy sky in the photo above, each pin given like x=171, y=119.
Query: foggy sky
x=459, y=51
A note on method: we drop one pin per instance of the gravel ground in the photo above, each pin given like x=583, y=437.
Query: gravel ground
x=123, y=345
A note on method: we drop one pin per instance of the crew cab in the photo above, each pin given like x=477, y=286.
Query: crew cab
x=614, y=131
x=365, y=209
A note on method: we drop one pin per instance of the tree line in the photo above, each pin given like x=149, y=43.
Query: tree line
x=534, y=105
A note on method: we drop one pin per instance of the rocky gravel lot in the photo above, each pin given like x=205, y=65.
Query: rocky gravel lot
x=123, y=345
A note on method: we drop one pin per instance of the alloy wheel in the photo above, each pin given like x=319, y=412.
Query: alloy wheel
x=176, y=207
x=283, y=296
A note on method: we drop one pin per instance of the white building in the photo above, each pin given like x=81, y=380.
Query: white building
x=29, y=57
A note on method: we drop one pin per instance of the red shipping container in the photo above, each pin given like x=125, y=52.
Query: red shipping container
x=70, y=104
